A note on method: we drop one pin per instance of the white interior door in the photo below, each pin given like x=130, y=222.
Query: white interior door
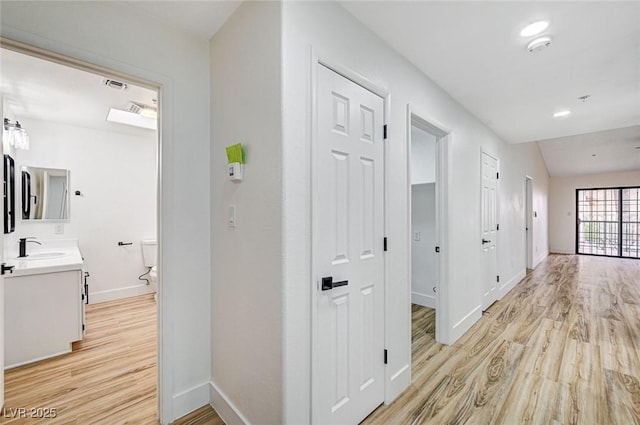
x=489, y=228
x=348, y=350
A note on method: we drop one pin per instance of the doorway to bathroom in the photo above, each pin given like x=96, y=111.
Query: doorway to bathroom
x=98, y=129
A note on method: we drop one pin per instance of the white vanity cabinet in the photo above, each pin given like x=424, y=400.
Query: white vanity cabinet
x=43, y=315
x=44, y=308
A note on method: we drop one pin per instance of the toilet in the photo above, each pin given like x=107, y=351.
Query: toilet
x=150, y=259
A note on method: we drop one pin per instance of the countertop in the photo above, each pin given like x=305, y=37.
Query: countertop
x=71, y=259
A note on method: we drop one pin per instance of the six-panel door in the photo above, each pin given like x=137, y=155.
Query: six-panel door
x=348, y=246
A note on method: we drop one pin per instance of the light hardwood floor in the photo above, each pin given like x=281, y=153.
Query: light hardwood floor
x=563, y=347
x=109, y=378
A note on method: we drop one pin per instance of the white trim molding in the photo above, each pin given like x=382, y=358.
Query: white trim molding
x=540, y=258
x=119, y=293
x=189, y=400
x=227, y=411
x=511, y=283
x=423, y=300
x=464, y=324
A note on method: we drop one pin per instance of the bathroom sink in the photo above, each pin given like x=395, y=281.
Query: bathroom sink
x=45, y=255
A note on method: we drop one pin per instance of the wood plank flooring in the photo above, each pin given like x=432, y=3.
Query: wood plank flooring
x=109, y=378
x=563, y=347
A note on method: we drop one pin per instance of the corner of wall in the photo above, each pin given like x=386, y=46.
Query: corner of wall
x=227, y=411
x=464, y=324
x=540, y=258
x=511, y=283
x=187, y=401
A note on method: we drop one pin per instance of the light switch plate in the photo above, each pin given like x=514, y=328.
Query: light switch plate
x=232, y=216
x=58, y=229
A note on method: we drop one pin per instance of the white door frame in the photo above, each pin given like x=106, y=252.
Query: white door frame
x=163, y=86
x=528, y=218
x=2, y=313
x=317, y=60
x=443, y=139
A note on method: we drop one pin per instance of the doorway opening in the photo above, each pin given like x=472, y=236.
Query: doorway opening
x=101, y=128
x=528, y=199
x=427, y=149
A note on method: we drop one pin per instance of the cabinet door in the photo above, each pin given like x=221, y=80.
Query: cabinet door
x=43, y=316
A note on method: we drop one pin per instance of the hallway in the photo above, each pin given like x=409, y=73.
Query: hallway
x=563, y=347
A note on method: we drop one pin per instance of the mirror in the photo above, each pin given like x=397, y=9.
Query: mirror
x=45, y=194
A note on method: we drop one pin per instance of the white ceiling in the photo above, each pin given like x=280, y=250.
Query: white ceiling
x=598, y=152
x=200, y=18
x=42, y=90
x=474, y=51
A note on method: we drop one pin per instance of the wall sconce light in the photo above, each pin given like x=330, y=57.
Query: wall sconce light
x=15, y=135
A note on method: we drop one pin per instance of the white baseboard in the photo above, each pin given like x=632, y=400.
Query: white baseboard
x=539, y=259
x=116, y=294
x=504, y=289
x=398, y=382
x=465, y=324
x=562, y=251
x=227, y=411
x=189, y=400
x=423, y=300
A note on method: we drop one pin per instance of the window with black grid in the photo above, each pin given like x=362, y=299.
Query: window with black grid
x=630, y=221
x=608, y=222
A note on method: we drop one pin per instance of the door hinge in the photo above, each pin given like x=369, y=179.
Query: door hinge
x=384, y=132
x=498, y=279
x=437, y=249
x=497, y=227
x=385, y=356
x=497, y=176
x=385, y=243
x=83, y=326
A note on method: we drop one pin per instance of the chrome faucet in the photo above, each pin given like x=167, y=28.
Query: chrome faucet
x=23, y=245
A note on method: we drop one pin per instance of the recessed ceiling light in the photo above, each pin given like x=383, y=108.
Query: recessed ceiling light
x=539, y=44
x=560, y=114
x=534, y=28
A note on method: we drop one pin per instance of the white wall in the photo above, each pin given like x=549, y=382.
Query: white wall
x=327, y=30
x=116, y=174
x=423, y=255
x=520, y=161
x=423, y=156
x=562, y=204
x=246, y=298
x=113, y=35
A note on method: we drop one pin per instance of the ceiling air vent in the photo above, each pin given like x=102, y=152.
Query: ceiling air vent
x=114, y=84
x=134, y=107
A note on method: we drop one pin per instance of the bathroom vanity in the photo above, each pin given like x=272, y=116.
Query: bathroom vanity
x=44, y=302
